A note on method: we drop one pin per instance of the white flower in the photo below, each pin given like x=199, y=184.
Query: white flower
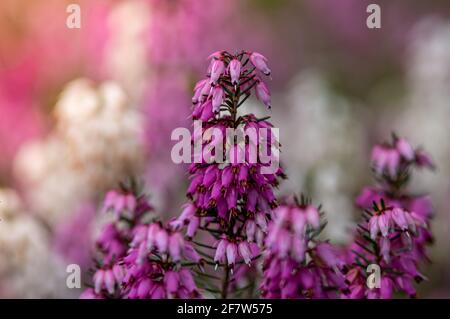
x=323, y=140
x=28, y=268
x=96, y=143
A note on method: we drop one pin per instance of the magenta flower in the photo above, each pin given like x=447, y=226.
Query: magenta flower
x=405, y=149
x=90, y=294
x=217, y=69
x=233, y=199
x=287, y=232
x=155, y=281
x=233, y=217
x=296, y=265
x=260, y=62
x=108, y=279
x=156, y=238
x=394, y=158
x=217, y=98
x=151, y=265
x=141, y=260
x=395, y=232
x=235, y=71
x=119, y=202
x=263, y=94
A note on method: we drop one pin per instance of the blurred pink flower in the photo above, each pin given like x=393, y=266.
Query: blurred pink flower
x=73, y=238
x=38, y=60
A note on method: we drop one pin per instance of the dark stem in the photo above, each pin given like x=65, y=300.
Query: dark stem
x=225, y=283
x=235, y=104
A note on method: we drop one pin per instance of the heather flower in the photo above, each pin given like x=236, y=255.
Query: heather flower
x=420, y=204
x=231, y=197
x=118, y=202
x=217, y=98
x=108, y=279
x=387, y=239
x=386, y=220
x=111, y=243
x=217, y=68
x=232, y=216
x=260, y=62
x=263, y=94
x=296, y=264
x=218, y=189
x=90, y=294
x=287, y=230
x=156, y=238
x=152, y=281
x=395, y=157
x=395, y=230
x=357, y=286
x=139, y=259
x=153, y=267
x=228, y=251
x=235, y=71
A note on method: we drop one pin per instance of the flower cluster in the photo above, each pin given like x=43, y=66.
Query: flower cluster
x=394, y=158
x=395, y=230
x=231, y=195
x=89, y=166
x=233, y=216
x=153, y=268
x=296, y=264
x=140, y=259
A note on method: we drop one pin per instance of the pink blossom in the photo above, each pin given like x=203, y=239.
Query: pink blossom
x=235, y=70
x=217, y=69
x=263, y=94
x=260, y=62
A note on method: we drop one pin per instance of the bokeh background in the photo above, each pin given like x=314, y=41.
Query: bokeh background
x=82, y=109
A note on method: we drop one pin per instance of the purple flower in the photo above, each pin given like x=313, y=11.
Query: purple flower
x=260, y=62
x=385, y=158
x=207, y=112
x=405, y=149
x=108, y=280
x=221, y=251
x=329, y=255
x=198, y=91
x=244, y=251
x=395, y=231
x=384, y=221
x=296, y=265
x=217, y=69
x=231, y=253
x=90, y=294
x=424, y=160
x=396, y=157
x=141, y=260
x=386, y=288
x=235, y=70
x=263, y=94
x=217, y=98
x=119, y=202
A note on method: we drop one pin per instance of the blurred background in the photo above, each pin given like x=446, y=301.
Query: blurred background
x=82, y=109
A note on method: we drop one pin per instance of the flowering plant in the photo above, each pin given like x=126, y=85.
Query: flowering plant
x=234, y=238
